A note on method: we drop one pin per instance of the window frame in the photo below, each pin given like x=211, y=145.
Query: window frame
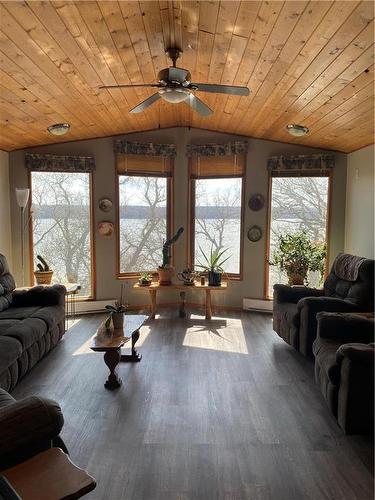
x=266, y=292
x=81, y=298
x=169, y=209
x=191, y=220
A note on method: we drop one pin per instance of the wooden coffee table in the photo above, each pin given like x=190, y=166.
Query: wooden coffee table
x=110, y=341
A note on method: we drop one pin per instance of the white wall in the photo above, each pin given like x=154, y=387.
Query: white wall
x=359, y=220
x=252, y=285
x=5, y=225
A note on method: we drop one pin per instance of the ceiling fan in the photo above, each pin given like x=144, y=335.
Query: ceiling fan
x=175, y=85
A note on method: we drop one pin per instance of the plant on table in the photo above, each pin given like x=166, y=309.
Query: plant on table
x=145, y=279
x=297, y=254
x=116, y=312
x=43, y=273
x=213, y=264
x=166, y=270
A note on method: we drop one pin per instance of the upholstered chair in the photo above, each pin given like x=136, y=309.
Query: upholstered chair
x=349, y=287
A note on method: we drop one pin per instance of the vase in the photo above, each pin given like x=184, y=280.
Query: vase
x=118, y=320
x=214, y=278
x=165, y=275
x=43, y=277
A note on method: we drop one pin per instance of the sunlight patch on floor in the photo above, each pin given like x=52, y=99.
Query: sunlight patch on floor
x=219, y=334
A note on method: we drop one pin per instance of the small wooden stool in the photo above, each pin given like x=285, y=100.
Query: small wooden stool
x=50, y=475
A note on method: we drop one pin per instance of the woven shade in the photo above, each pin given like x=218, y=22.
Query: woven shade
x=319, y=165
x=135, y=164
x=217, y=166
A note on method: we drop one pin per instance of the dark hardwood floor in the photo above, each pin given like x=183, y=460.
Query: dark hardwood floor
x=215, y=410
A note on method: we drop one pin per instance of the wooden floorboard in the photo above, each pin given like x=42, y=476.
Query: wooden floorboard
x=215, y=410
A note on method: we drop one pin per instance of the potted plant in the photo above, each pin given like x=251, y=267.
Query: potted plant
x=43, y=274
x=297, y=255
x=213, y=265
x=166, y=270
x=116, y=313
x=145, y=279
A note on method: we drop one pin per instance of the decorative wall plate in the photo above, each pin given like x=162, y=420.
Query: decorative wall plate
x=255, y=233
x=105, y=204
x=105, y=228
x=256, y=202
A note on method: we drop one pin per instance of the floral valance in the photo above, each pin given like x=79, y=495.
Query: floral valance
x=315, y=164
x=144, y=148
x=59, y=163
x=226, y=149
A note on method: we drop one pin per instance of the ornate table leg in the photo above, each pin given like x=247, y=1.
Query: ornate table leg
x=111, y=359
x=153, y=303
x=208, y=305
x=182, y=305
x=134, y=357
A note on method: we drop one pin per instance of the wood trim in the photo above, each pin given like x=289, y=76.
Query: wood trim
x=170, y=221
x=191, y=221
x=92, y=295
x=266, y=294
x=328, y=223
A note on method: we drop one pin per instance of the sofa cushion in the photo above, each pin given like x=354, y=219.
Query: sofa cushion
x=5, y=399
x=7, y=284
x=18, y=312
x=5, y=324
x=51, y=315
x=10, y=351
x=27, y=332
x=325, y=356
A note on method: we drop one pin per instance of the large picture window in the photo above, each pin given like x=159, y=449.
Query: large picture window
x=61, y=225
x=217, y=186
x=143, y=221
x=297, y=203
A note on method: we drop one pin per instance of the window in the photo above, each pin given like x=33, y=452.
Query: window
x=297, y=203
x=217, y=185
x=143, y=221
x=144, y=184
x=61, y=226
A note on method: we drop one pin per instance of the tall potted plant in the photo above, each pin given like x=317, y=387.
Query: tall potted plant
x=43, y=273
x=213, y=265
x=296, y=255
x=166, y=270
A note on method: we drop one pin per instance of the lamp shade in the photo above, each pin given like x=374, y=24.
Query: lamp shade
x=22, y=196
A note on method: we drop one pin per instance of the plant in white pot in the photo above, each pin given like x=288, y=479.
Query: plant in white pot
x=116, y=313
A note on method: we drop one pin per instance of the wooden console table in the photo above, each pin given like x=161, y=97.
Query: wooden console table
x=154, y=287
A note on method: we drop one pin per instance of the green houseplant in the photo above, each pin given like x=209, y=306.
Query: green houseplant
x=166, y=270
x=43, y=273
x=145, y=279
x=116, y=312
x=213, y=265
x=296, y=254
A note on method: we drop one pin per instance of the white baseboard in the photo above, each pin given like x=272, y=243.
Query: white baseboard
x=92, y=306
x=258, y=305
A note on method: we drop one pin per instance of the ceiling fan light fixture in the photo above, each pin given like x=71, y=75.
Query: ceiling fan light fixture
x=174, y=95
x=58, y=128
x=297, y=130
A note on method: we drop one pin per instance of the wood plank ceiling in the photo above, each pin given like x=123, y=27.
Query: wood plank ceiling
x=310, y=63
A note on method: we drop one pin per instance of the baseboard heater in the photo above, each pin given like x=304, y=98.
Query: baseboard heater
x=92, y=306
x=258, y=305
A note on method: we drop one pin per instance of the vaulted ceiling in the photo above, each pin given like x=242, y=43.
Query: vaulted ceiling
x=310, y=63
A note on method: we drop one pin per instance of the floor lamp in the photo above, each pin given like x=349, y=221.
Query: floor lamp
x=22, y=196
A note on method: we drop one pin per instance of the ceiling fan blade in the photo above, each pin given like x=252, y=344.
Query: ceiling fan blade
x=145, y=104
x=126, y=86
x=222, y=89
x=199, y=106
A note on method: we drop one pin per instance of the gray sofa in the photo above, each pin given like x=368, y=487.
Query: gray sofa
x=349, y=287
x=31, y=323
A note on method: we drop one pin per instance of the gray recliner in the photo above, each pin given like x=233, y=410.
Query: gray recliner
x=349, y=287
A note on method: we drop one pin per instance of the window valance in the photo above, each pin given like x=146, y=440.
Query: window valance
x=138, y=158
x=217, y=160
x=314, y=165
x=59, y=163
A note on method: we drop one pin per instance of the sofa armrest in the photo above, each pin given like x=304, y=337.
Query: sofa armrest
x=327, y=304
x=40, y=296
x=355, y=409
x=27, y=427
x=286, y=293
x=345, y=327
